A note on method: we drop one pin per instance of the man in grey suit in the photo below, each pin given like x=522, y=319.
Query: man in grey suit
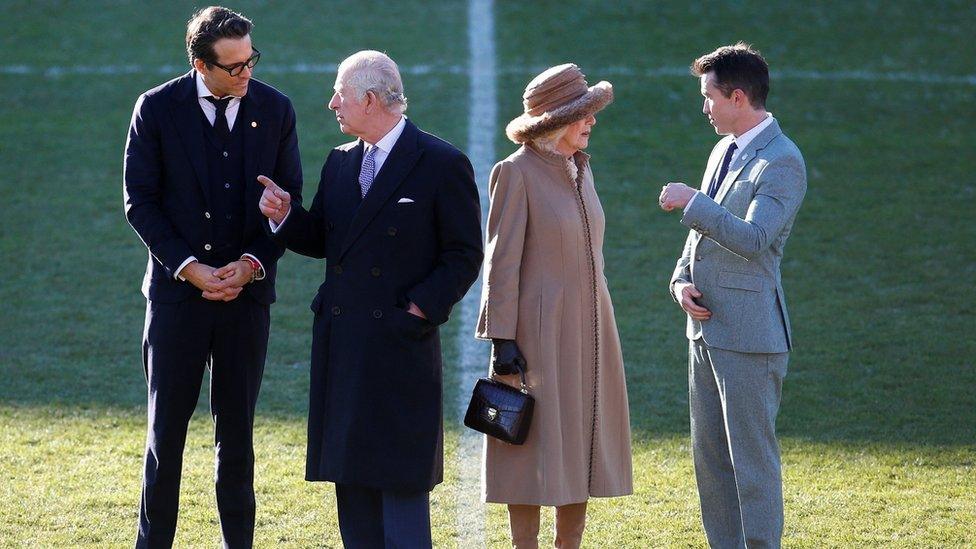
x=728, y=282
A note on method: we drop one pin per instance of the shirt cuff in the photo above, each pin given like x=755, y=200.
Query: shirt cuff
x=275, y=226
x=260, y=274
x=690, y=200
x=186, y=262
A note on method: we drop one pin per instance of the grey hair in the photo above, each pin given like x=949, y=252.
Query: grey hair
x=548, y=141
x=374, y=71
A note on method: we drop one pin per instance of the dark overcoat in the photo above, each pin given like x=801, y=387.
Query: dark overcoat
x=375, y=411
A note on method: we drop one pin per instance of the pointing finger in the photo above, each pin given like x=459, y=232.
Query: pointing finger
x=267, y=182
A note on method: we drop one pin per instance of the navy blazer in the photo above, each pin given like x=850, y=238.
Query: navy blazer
x=375, y=400
x=165, y=181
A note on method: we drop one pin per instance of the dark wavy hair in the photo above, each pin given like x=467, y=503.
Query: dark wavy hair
x=738, y=66
x=207, y=26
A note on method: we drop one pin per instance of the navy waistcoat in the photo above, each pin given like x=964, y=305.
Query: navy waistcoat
x=225, y=170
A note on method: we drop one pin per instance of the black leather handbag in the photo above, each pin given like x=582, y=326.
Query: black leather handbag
x=501, y=411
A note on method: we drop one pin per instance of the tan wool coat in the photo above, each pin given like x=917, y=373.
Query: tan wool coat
x=545, y=288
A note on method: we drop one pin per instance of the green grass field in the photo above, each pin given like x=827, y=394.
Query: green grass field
x=878, y=422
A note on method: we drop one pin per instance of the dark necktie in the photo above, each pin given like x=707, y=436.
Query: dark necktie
x=220, y=122
x=717, y=182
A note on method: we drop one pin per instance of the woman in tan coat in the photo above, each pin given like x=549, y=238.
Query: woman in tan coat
x=545, y=304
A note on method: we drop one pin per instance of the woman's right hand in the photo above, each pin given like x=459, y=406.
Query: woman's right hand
x=506, y=358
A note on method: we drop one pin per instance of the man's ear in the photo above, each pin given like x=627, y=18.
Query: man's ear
x=199, y=65
x=370, y=101
x=740, y=98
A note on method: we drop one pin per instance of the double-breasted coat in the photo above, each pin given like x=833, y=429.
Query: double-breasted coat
x=545, y=288
x=375, y=410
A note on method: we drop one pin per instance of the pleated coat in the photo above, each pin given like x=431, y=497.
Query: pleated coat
x=545, y=288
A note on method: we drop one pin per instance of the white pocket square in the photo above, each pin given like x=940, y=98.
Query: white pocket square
x=405, y=201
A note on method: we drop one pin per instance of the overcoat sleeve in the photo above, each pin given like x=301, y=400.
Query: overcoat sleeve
x=508, y=217
x=305, y=231
x=142, y=173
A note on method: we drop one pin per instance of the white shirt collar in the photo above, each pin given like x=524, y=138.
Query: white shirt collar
x=386, y=143
x=743, y=140
x=203, y=90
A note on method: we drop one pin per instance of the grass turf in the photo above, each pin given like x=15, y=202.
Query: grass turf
x=879, y=416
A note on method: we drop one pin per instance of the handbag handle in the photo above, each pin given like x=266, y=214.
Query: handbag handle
x=524, y=388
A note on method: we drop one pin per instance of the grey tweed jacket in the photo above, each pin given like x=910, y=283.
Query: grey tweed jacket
x=735, y=246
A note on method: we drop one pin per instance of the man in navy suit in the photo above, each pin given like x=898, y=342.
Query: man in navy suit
x=195, y=147
x=397, y=219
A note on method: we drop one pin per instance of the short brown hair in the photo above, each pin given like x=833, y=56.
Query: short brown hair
x=738, y=66
x=207, y=26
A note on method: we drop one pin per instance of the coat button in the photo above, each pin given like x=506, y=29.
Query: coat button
x=375, y=271
x=336, y=310
x=377, y=313
x=337, y=269
x=206, y=214
x=226, y=185
x=392, y=231
x=698, y=258
x=207, y=247
x=225, y=154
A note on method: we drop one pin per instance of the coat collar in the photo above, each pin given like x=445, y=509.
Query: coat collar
x=402, y=158
x=558, y=161
x=746, y=156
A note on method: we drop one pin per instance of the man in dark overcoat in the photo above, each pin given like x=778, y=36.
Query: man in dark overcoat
x=195, y=147
x=397, y=217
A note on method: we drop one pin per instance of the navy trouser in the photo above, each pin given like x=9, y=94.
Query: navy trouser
x=377, y=519
x=179, y=342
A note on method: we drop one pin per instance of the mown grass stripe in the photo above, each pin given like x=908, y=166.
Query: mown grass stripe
x=482, y=113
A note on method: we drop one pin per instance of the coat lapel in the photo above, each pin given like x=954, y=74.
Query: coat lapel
x=745, y=157
x=252, y=125
x=186, y=115
x=714, y=161
x=396, y=167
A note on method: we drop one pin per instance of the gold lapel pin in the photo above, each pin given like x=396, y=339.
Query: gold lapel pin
x=254, y=124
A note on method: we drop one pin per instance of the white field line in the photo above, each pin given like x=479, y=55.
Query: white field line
x=474, y=354
x=595, y=72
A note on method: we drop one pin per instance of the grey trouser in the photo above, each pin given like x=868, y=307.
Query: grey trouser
x=734, y=398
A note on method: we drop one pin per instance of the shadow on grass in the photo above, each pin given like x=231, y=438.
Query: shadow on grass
x=926, y=404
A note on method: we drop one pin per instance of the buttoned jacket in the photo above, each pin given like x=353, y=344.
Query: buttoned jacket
x=166, y=187
x=735, y=246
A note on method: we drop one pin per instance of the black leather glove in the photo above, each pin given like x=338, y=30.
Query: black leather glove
x=506, y=358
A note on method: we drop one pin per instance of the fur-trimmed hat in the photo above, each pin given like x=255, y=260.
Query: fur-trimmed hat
x=556, y=98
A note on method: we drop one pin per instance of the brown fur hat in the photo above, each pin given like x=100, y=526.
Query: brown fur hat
x=556, y=98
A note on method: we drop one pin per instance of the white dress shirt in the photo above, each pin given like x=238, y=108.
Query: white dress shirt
x=741, y=143
x=383, y=148
x=210, y=111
